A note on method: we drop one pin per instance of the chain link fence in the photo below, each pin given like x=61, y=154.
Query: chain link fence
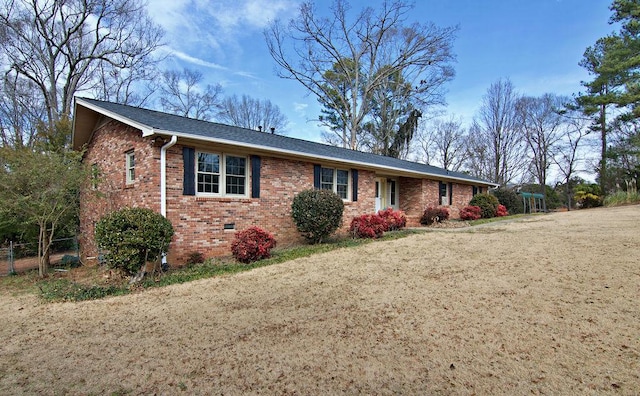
x=22, y=257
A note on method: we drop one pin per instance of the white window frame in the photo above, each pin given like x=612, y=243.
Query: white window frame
x=334, y=181
x=222, y=184
x=130, y=161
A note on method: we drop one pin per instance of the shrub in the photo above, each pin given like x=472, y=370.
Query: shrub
x=252, y=244
x=622, y=198
x=368, y=226
x=434, y=215
x=195, y=258
x=132, y=236
x=317, y=213
x=487, y=203
x=394, y=219
x=509, y=199
x=70, y=261
x=470, y=213
x=502, y=211
x=585, y=199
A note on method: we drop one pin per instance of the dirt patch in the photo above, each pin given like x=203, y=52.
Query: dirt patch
x=31, y=263
x=543, y=305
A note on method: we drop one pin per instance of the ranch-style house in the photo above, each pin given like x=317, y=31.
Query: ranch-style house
x=211, y=180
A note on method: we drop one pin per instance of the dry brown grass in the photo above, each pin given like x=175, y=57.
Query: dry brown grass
x=542, y=305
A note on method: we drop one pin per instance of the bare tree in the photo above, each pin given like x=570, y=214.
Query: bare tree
x=21, y=111
x=575, y=128
x=496, y=138
x=247, y=112
x=135, y=85
x=183, y=94
x=361, y=53
x=541, y=122
x=58, y=45
x=443, y=143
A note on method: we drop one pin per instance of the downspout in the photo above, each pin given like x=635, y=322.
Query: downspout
x=163, y=174
x=163, y=181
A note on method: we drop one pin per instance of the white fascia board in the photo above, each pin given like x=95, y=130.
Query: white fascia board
x=146, y=129
x=314, y=157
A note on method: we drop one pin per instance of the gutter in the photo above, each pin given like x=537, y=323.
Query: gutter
x=163, y=174
x=163, y=181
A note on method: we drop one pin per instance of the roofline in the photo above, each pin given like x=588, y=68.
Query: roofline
x=146, y=130
x=321, y=157
x=149, y=131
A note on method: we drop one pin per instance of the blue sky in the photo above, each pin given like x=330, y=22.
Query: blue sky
x=535, y=43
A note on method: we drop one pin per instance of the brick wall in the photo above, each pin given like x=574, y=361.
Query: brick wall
x=107, y=151
x=199, y=222
x=417, y=194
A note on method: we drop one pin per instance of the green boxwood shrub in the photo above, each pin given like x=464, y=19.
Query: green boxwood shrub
x=129, y=237
x=487, y=203
x=317, y=213
x=509, y=199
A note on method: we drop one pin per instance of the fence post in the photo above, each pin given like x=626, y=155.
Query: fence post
x=12, y=269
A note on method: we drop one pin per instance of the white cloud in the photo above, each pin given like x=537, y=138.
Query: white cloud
x=230, y=15
x=300, y=108
x=196, y=61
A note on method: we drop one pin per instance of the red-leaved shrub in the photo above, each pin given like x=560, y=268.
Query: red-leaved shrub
x=434, y=215
x=394, y=219
x=252, y=244
x=470, y=212
x=502, y=211
x=367, y=226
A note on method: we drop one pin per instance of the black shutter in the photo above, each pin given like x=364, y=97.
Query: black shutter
x=316, y=176
x=450, y=193
x=189, y=179
x=354, y=185
x=255, y=176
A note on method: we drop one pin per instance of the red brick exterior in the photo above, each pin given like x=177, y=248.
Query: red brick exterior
x=199, y=221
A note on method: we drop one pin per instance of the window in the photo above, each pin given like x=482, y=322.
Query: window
x=475, y=191
x=444, y=199
x=130, y=159
x=236, y=179
x=392, y=193
x=336, y=180
x=208, y=174
x=342, y=183
x=230, y=179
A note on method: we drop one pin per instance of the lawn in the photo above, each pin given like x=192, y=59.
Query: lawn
x=543, y=304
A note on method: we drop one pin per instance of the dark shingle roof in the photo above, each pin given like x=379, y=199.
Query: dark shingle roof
x=163, y=123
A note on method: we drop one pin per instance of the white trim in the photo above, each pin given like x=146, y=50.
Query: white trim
x=148, y=131
x=127, y=167
x=334, y=181
x=163, y=174
x=315, y=157
x=223, y=175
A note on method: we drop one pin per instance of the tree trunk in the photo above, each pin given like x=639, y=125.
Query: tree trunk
x=603, y=149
